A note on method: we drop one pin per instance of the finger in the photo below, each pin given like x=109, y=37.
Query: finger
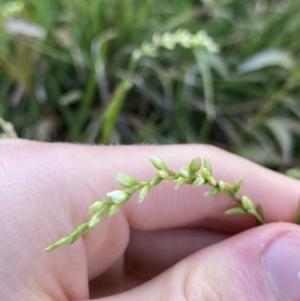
x=93, y=169
x=86, y=173
x=54, y=184
x=259, y=264
x=165, y=208
x=83, y=174
x=150, y=253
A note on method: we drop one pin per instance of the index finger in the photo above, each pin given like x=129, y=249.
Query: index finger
x=90, y=171
x=166, y=208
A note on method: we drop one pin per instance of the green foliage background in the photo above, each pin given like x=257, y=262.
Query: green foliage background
x=61, y=63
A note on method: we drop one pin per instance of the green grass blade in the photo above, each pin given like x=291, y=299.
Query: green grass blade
x=113, y=110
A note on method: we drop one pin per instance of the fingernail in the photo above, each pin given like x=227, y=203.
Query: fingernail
x=281, y=261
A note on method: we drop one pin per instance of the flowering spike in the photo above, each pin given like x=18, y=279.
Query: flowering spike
x=187, y=175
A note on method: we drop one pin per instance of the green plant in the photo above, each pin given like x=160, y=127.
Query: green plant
x=59, y=81
x=197, y=173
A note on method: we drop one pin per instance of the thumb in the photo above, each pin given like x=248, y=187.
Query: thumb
x=260, y=264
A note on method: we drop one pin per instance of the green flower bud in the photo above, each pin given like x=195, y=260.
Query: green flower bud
x=97, y=206
x=247, y=203
x=207, y=165
x=95, y=219
x=157, y=162
x=211, y=180
x=59, y=243
x=73, y=237
x=195, y=165
x=185, y=172
x=125, y=180
x=212, y=192
x=205, y=173
x=113, y=210
x=155, y=181
x=133, y=189
x=144, y=191
x=166, y=174
x=118, y=196
x=235, y=211
x=199, y=181
x=222, y=185
x=236, y=187
x=179, y=182
x=82, y=228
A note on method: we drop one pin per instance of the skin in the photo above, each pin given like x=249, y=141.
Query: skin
x=173, y=246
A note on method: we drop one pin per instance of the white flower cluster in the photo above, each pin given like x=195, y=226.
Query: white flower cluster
x=169, y=40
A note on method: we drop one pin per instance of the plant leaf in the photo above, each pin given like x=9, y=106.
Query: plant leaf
x=283, y=136
x=267, y=58
x=207, y=78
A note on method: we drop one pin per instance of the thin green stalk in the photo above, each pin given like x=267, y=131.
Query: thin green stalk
x=114, y=108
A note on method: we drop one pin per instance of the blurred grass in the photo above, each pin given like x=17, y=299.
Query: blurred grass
x=63, y=61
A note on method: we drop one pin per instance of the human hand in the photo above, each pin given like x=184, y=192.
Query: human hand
x=173, y=246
